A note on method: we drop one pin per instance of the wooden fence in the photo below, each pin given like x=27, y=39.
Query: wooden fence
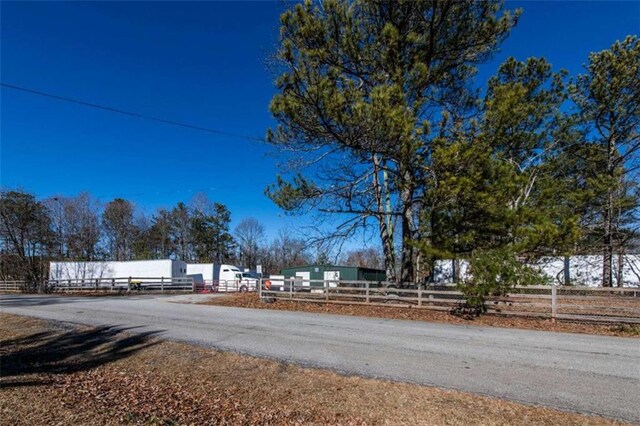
x=11, y=286
x=226, y=286
x=614, y=305
x=131, y=284
x=160, y=284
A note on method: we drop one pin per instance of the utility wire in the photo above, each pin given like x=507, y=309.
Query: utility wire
x=132, y=114
x=181, y=191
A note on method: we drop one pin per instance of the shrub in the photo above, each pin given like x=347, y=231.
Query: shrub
x=494, y=273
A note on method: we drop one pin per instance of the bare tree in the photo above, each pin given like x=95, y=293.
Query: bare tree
x=25, y=237
x=180, y=231
x=364, y=258
x=119, y=228
x=284, y=251
x=200, y=203
x=76, y=225
x=249, y=235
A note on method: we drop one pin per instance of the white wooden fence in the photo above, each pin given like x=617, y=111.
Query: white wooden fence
x=158, y=284
x=226, y=286
x=614, y=305
x=11, y=286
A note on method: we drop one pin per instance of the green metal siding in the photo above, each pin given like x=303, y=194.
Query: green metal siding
x=347, y=273
x=373, y=275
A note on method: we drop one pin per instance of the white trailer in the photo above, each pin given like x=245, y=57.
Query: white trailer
x=221, y=277
x=584, y=270
x=202, y=273
x=141, y=270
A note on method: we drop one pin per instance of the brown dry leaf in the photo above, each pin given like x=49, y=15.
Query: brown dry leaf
x=195, y=386
x=252, y=301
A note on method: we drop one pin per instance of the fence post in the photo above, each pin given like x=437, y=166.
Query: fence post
x=113, y=283
x=161, y=284
x=291, y=282
x=419, y=296
x=554, y=302
x=129, y=284
x=326, y=291
x=96, y=284
x=260, y=288
x=367, y=291
x=193, y=285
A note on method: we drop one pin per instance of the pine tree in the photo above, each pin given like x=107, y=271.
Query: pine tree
x=365, y=83
x=608, y=98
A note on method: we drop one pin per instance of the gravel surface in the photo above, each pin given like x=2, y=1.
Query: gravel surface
x=584, y=373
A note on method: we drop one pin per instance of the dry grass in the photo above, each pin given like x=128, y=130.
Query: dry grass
x=251, y=300
x=48, y=380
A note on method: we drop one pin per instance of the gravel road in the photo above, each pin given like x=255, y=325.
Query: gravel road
x=583, y=373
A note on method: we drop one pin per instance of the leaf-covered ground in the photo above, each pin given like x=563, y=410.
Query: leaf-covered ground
x=54, y=374
x=251, y=300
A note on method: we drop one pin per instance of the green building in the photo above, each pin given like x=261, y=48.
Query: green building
x=334, y=273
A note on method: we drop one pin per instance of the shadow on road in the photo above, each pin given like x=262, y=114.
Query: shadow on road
x=28, y=300
x=26, y=359
x=17, y=301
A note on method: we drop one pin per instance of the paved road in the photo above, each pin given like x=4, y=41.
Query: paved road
x=588, y=374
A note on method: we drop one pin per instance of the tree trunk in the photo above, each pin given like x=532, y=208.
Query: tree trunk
x=607, y=251
x=620, y=277
x=455, y=266
x=407, y=271
x=408, y=230
x=607, y=278
x=384, y=223
x=567, y=270
x=388, y=253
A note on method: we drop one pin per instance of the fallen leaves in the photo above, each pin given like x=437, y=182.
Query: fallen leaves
x=252, y=301
x=172, y=383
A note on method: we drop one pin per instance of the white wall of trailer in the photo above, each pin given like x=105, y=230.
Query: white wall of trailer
x=204, y=269
x=583, y=270
x=136, y=269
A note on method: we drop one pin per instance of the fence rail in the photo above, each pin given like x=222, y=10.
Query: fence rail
x=613, y=305
x=161, y=284
x=226, y=286
x=11, y=285
x=148, y=284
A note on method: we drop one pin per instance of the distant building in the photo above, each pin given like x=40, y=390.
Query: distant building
x=333, y=273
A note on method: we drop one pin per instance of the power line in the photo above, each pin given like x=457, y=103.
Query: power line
x=182, y=191
x=132, y=114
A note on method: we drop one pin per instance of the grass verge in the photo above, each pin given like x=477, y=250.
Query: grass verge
x=53, y=374
x=251, y=300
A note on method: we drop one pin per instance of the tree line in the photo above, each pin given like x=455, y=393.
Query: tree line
x=386, y=128
x=34, y=232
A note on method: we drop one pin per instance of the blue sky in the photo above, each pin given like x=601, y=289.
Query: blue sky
x=201, y=63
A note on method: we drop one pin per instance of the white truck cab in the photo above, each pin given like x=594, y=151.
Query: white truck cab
x=231, y=278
